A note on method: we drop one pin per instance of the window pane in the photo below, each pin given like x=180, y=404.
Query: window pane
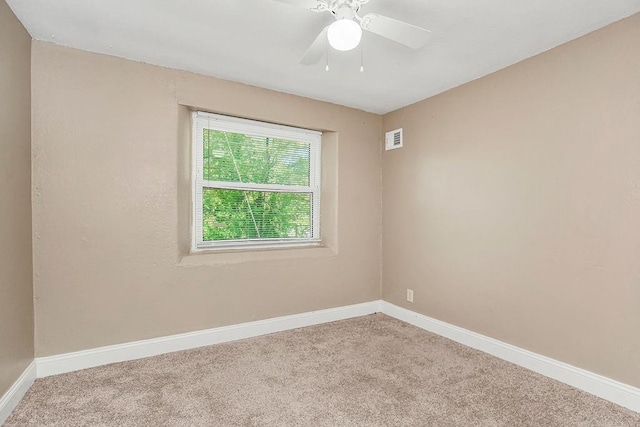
x=235, y=157
x=237, y=214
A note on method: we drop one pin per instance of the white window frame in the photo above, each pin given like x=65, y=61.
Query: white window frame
x=202, y=120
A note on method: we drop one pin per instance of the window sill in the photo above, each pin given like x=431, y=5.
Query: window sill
x=215, y=257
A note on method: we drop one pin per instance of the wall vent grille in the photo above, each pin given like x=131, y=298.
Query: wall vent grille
x=393, y=139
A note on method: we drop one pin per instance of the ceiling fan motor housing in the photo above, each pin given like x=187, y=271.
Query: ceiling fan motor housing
x=344, y=12
x=345, y=9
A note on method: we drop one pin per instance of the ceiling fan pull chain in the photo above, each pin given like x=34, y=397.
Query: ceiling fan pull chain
x=326, y=47
x=361, y=58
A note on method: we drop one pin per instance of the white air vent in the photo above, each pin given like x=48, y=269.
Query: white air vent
x=393, y=139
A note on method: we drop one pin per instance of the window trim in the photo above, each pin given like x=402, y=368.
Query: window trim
x=203, y=120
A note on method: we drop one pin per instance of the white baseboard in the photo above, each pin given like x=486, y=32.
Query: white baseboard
x=606, y=388
x=69, y=362
x=12, y=397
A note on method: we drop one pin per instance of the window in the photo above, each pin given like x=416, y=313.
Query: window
x=254, y=183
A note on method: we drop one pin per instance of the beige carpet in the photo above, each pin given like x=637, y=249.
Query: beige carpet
x=369, y=371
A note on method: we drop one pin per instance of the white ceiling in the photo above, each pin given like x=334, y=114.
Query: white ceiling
x=260, y=42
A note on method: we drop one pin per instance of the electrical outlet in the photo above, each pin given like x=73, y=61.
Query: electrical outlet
x=410, y=295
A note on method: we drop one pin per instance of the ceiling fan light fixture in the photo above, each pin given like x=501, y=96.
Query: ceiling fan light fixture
x=344, y=34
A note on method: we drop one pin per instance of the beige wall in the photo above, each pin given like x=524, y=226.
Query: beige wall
x=16, y=290
x=109, y=154
x=514, y=208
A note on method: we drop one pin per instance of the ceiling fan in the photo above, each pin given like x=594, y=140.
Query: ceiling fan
x=345, y=32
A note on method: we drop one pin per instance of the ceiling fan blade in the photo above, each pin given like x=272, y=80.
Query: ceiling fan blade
x=316, y=50
x=307, y=4
x=407, y=34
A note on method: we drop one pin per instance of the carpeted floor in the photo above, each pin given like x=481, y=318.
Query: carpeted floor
x=369, y=371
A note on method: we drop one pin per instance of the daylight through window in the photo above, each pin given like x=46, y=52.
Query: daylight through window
x=255, y=184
